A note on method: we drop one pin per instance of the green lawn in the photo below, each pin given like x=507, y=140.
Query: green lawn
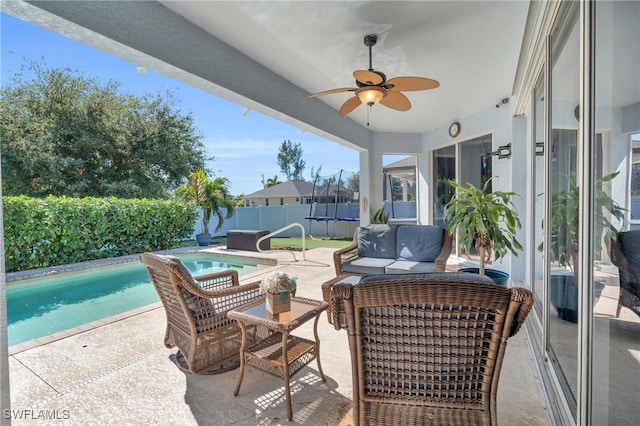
x=295, y=243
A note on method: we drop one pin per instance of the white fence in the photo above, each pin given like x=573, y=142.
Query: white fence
x=270, y=218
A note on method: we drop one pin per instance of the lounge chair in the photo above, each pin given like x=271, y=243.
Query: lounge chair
x=428, y=350
x=196, y=308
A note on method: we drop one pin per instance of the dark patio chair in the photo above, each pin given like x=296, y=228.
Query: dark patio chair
x=625, y=254
x=196, y=308
x=428, y=350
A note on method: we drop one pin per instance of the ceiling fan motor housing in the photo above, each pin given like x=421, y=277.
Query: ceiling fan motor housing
x=370, y=40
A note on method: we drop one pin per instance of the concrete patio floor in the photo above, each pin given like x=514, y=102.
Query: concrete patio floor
x=120, y=373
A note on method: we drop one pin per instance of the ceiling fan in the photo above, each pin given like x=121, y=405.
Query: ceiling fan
x=373, y=87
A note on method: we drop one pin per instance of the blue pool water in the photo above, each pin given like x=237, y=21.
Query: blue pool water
x=43, y=306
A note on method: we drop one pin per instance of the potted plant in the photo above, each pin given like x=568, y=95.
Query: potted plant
x=379, y=216
x=564, y=242
x=211, y=196
x=485, y=220
x=278, y=288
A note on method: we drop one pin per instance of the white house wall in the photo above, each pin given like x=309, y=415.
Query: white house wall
x=365, y=186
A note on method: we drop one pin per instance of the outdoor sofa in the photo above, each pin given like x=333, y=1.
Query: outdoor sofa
x=390, y=249
x=394, y=249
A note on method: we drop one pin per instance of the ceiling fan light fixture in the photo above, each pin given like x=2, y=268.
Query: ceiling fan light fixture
x=371, y=95
x=372, y=87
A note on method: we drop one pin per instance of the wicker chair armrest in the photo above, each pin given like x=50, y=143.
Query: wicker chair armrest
x=339, y=294
x=445, y=252
x=218, y=280
x=524, y=298
x=344, y=254
x=225, y=291
x=211, y=313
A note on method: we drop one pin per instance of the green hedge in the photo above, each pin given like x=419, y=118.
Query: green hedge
x=58, y=230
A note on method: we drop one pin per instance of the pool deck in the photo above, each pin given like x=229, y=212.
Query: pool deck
x=117, y=371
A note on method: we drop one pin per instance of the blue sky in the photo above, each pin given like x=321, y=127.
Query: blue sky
x=244, y=147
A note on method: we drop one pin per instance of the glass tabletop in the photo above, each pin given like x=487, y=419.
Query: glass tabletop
x=301, y=310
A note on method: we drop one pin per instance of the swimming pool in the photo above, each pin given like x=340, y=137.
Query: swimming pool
x=43, y=306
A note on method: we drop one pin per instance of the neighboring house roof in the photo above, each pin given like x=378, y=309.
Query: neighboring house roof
x=291, y=188
x=405, y=168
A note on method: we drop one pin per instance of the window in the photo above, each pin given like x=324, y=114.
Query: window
x=471, y=158
x=615, y=364
x=562, y=167
x=444, y=169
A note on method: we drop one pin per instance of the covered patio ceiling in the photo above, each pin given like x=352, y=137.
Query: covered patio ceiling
x=270, y=55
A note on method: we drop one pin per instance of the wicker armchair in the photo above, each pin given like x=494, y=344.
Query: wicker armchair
x=428, y=351
x=628, y=272
x=196, y=308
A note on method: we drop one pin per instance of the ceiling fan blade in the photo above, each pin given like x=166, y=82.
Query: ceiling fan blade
x=350, y=105
x=407, y=84
x=368, y=77
x=332, y=91
x=396, y=100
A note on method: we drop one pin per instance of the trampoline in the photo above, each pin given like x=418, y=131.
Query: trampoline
x=335, y=199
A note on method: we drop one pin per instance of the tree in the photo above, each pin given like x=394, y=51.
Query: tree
x=315, y=173
x=353, y=186
x=64, y=134
x=272, y=181
x=210, y=195
x=290, y=160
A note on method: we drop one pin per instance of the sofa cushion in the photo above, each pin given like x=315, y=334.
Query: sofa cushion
x=377, y=241
x=366, y=265
x=418, y=243
x=408, y=266
x=630, y=242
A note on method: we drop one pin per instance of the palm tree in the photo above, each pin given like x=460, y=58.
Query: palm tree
x=272, y=181
x=210, y=195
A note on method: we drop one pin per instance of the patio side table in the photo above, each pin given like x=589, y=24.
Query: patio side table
x=281, y=354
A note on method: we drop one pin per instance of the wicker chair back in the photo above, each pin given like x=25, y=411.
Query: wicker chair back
x=625, y=253
x=428, y=350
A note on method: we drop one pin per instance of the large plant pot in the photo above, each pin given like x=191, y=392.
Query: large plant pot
x=564, y=295
x=498, y=277
x=203, y=239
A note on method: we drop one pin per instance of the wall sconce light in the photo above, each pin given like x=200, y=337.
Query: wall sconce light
x=539, y=149
x=503, y=151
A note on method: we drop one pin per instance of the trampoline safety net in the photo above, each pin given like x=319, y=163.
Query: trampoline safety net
x=335, y=198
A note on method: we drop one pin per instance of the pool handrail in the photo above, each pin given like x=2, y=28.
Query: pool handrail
x=279, y=231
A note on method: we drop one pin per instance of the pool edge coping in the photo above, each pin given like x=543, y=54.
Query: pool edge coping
x=40, y=341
